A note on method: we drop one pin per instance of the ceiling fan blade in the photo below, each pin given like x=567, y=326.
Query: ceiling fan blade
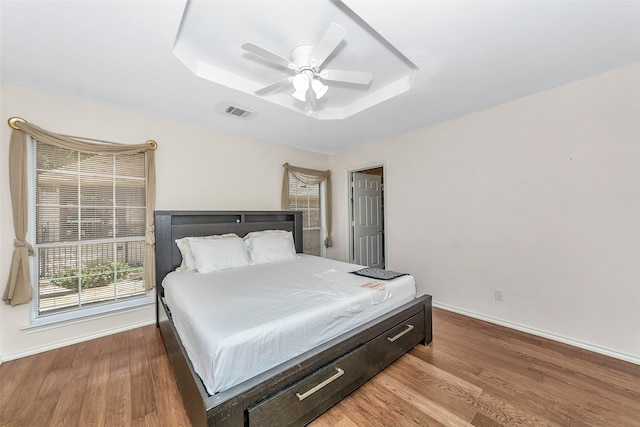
x=327, y=44
x=280, y=84
x=345, y=76
x=269, y=56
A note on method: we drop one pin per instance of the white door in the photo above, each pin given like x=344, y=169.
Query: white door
x=367, y=220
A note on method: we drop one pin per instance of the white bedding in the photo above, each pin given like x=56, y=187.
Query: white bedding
x=238, y=323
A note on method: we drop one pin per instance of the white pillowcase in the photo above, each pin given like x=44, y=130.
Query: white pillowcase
x=268, y=233
x=218, y=254
x=188, y=263
x=270, y=246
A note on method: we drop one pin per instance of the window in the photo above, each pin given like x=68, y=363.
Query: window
x=306, y=198
x=89, y=228
x=309, y=191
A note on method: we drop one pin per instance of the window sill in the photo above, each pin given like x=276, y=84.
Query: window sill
x=91, y=313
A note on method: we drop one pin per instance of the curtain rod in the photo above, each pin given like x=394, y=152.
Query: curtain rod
x=13, y=123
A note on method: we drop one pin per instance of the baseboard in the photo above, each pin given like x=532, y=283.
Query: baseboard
x=539, y=333
x=76, y=340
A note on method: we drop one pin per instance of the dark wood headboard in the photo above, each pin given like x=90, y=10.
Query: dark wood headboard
x=172, y=225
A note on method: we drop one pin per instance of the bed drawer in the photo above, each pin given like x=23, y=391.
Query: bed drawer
x=311, y=396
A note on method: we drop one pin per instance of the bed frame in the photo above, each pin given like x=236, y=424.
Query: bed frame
x=297, y=391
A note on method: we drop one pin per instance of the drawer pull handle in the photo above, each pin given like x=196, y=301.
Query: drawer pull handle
x=406, y=331
x=324, y=383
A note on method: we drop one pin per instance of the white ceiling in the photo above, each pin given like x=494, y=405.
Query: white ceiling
x=430, y=60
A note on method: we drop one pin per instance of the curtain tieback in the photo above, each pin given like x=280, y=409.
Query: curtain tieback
x=150, y=235
x=23, y=244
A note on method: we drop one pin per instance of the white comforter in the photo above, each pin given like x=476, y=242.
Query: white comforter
x=238, y=323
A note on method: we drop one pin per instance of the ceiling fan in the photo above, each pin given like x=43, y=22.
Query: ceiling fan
x=306, y=63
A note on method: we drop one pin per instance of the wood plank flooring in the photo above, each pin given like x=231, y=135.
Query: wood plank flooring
x=472, y=374
x=476, y=373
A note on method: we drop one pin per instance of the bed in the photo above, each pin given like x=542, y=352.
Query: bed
x=296, y=390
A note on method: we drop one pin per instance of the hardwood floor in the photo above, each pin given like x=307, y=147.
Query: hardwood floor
x=473, y=373
x=120, y=380
x=476, y=373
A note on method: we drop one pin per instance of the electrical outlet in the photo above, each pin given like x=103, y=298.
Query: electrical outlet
x=498, y=294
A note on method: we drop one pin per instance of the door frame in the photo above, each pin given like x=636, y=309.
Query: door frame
x=350, y=219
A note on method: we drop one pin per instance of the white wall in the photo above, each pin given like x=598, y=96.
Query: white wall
x=539, y=197
x=197, y=168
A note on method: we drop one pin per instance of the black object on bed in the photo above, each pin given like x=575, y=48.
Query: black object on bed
x=299, y=390
x=378, y=273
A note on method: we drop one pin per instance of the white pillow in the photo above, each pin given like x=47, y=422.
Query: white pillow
x=188, y=262
x=218, y=254
x=270, y=246
x=268, y=233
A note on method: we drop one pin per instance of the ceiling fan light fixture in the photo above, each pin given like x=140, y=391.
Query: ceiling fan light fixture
x=301, y=85
x=319, y=88
x=300, y=95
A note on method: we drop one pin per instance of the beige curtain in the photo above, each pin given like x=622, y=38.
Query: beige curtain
x=311, y=177
x=18, y=289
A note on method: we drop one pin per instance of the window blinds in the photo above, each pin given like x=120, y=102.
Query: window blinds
x=90, y=221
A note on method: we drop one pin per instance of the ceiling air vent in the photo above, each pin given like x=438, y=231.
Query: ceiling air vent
x=238, y=112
